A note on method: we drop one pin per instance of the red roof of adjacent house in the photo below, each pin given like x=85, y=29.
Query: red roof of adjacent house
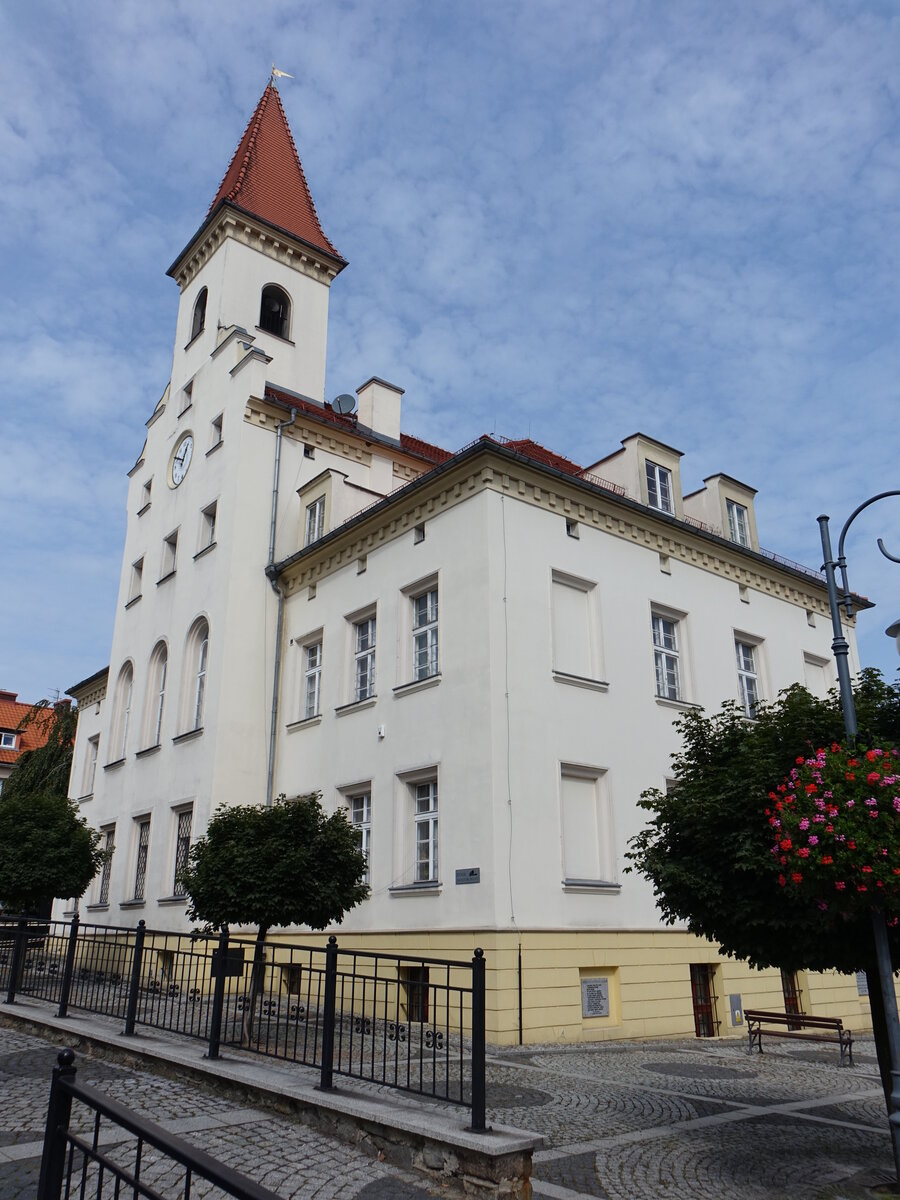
x=265, y=177
x=32, y=736
x=541, y=454
x=410, y=445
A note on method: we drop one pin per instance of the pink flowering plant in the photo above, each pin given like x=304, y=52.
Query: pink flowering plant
x=835, y=823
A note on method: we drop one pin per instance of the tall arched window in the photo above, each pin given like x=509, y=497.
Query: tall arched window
x=199, y=319
x=122, y=712
x=275, y=311
x=195, y=668
x=156, y=695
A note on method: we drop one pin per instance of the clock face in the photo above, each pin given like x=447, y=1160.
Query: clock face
x=181, y=459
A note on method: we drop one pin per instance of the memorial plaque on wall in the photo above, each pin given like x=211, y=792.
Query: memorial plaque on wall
x=595, y=997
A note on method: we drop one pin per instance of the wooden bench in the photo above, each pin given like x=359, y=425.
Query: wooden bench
x=792, y=1025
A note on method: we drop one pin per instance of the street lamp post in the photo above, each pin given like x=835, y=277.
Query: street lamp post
x=841, y=649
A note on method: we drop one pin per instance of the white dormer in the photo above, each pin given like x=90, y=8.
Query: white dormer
x=725, y=505
x=648, y=470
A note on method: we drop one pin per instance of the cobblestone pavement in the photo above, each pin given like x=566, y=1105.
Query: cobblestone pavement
x=680, y=1120
x=292, y=1160
x=694, y=1120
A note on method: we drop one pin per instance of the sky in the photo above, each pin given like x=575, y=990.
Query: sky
x=569, y=220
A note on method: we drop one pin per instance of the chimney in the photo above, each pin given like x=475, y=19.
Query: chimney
x=8, y=696
x=379, y=408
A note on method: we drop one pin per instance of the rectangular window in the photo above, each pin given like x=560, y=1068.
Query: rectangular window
x=186, y=397
x=816, y=675
x=425, y=634
x=738, y=523
x=586, y=842
x=140, y=863
x=145, y=496
x=659, y=486
x=182, y=848
x=666, y=657
x=364, y=659
x=208, y=525
x=7, y=741
x=312, y=680
x=426, y=827
x=215, y=432
x=170, y=551
x=570, y=608
x=315, y=521
x=748, y=680
x=361, y=819
x=109, y=845
x=137, y=580
x=90, y=766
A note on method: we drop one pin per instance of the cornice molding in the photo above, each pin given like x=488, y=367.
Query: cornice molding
x=532, y=487
x=256, y=234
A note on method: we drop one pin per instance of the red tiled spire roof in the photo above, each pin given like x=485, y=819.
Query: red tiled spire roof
x=265, y=177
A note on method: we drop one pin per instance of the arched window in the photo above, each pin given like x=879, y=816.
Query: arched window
x=195, y=668
x=275, y=311
x=122, y=712
x=199, y=319
x=156, y=695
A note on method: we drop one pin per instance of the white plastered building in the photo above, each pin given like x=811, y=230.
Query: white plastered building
x=479, y=655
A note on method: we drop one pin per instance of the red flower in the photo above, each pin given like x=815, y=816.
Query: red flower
x=785, y=843
x=796, y=877
x=849, y=776
x=810, y=788
x=781, y=881
x=827, y=860
x=834, y=747
x=800, y=761
x=867, y=870
x=872, y=777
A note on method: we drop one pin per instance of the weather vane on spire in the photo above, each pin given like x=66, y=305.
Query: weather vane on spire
x=276, y=74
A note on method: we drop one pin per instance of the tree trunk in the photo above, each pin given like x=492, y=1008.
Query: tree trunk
x=257, y=977
x=879, y=1029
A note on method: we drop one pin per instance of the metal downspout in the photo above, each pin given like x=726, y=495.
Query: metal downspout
x=279, y=622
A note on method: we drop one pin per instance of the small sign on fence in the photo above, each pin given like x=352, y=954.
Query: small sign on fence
x=234, y=963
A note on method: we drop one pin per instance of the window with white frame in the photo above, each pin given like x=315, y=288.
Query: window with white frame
x=587, y=849
x=169, y=554
x=208, y=526
x=364, y=658
x=315, y=521
x=666, y=656
x=659, y=486
x=425, y=634
x=360, y=807
x=156, y=694
x=90, y=765
x=425, y=818
x=748, y=676
x=817, y=675
x=142, y=851
x=183, y=819
x=137, y=580
x=198, y=319
x=7, y=741
x=122, y=712
x=146, y=491
x=738, y=522
x=572, y=626
x=194, y=678
x=109, y=845
x=215, y=432
x=312, y=679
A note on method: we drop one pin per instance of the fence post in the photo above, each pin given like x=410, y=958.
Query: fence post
x=478, y=1041
x=18, y=958
x=328, y=1015
x=215, y=1025
x=53, y=1159
x=68, y=969
x=134, y=986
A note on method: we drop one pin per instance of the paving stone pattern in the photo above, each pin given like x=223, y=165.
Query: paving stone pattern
x=680, y=1120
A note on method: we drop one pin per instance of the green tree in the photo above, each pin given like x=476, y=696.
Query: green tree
x=708, y=847
x=285, y=865
x=47, y=849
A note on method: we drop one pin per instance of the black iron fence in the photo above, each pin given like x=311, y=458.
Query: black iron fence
x=124, y=1154
x=412, y=1023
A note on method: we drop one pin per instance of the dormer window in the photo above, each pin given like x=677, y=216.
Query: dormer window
x=7, y=741
x=738, y=523
x=659, y=487
x=275, y=311
x=198, y=321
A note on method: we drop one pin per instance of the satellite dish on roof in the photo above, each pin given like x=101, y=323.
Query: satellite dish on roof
x=344, y=404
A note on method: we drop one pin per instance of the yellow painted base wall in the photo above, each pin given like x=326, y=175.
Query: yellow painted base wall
x=648, y=973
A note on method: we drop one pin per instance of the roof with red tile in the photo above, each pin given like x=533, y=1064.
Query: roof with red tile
x=265, y=177
x=34, y=735
x=541, y=454
x=415, y=447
